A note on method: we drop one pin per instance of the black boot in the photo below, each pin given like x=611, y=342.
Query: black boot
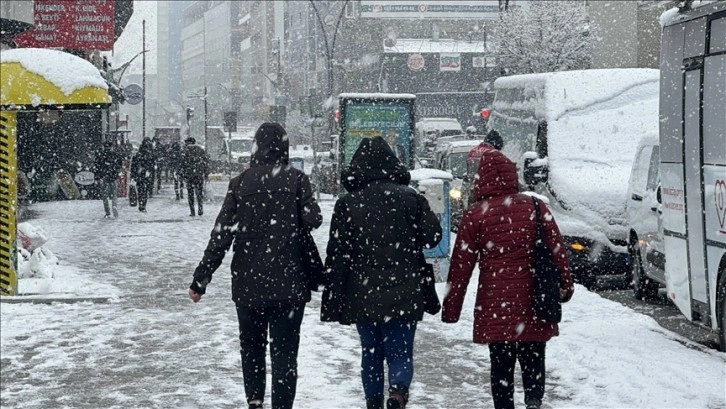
x=374, y=403
x=255, y=405
x=533, y=403
x=398, y=397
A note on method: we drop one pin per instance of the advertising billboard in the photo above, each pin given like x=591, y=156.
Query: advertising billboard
x=390, y=116
x=404, y=9
x=71, y=24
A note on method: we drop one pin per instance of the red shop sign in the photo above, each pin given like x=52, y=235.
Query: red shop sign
x=72, y=24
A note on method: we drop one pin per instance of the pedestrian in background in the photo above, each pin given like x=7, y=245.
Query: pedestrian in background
x=142, y=171
x=175, y=158
x=377, y=234
x=107, y=167
x=195, y=169
x=264, y=212
x=498, y=231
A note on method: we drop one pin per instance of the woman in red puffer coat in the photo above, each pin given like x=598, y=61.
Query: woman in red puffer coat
x=499, y=232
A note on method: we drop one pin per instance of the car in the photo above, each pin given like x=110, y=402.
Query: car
x=429, y=130
x=645, y=219
x=453, y=159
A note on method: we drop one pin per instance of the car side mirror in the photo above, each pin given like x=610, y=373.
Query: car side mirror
x=535, y=171
x=658, y=195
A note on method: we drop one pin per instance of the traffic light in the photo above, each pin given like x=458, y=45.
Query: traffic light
x=190, y=113
x=485, y=114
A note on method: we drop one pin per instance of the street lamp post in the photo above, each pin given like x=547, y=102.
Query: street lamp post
x=329, y=50
x=203, y=97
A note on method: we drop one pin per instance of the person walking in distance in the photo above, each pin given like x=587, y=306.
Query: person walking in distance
x=195, y=168
x=498, y=231
x=142, y=171
x=107, y=167
x=175, y=157
x=377, y=235
x=264, y=212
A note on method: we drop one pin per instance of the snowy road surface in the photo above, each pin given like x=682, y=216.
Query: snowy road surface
x=150, y=347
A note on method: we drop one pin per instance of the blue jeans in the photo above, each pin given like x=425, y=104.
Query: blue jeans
x=392, y=341
x=108, y=192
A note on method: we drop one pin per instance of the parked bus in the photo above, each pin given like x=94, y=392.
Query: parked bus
x=693, y=162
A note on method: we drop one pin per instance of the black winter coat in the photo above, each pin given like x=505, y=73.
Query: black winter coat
x=142, y=165
x=376, y=235
x=264, y=211
x=107, y=165
x=194, y=163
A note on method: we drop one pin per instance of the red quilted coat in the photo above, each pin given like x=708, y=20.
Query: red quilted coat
x=499, y=231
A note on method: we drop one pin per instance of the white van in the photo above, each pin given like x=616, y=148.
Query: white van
x=573, y=136
x=645, y=220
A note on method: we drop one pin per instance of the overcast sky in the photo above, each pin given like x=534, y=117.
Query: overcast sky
x=129, y=44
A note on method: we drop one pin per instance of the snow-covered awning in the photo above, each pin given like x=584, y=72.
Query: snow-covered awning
x=31, y=78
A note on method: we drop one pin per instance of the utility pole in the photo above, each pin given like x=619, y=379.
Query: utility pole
x=143, y=80
x=206, y=117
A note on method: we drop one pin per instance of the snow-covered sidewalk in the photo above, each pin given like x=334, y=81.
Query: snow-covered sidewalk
x=150, y=347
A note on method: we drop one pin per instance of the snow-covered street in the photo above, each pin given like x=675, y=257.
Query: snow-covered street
x=151, y=347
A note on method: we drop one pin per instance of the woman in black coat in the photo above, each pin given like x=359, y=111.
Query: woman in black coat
x=142, y=171
x=267, y=210
x=377, y=234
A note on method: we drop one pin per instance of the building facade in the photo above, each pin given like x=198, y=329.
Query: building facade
x=210, y=61
x=169, y=68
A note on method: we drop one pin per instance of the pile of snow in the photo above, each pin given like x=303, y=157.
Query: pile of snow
x=34, y=261
x=66, y=71
x=40, y=273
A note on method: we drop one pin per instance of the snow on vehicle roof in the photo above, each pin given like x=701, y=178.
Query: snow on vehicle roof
x=591, y=149
x=376, y=96
x=66, y=71
x=698, y=9
x=425, y=173
x=464, y=144
x=567, y=91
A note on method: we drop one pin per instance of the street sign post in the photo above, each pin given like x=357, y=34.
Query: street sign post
x=134, y=94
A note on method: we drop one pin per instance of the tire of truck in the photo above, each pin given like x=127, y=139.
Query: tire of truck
x=644, y=288
x=721, y=308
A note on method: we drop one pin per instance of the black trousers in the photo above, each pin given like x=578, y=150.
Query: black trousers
x=195, y=188
x=531, y=357
x=283, y=322
x=143, y=185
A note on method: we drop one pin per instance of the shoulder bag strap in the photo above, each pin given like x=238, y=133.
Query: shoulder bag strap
x=538, y=218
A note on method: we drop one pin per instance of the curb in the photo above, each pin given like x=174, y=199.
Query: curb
x=34, y=299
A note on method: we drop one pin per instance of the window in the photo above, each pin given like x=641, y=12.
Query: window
x=718, y=35
x=351, y=9
x=653, y=170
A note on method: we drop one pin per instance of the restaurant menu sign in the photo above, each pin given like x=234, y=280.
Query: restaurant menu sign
x=389, y=116
x=71, y=24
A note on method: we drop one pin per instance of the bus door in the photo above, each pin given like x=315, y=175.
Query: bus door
x=693, y=176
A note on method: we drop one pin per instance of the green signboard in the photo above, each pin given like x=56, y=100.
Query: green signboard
x=389, y=116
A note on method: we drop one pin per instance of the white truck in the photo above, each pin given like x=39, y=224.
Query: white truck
x=693, y=162
x=573, y=136
x=217, y=148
